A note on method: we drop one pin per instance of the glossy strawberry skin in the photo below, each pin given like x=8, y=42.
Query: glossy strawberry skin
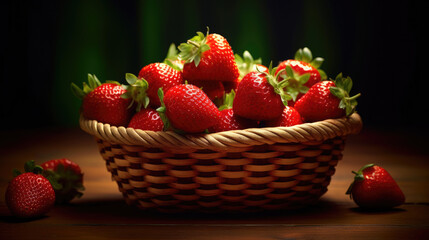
x=146, y=119
x=29, y=195
x=319, y=103
x=300, y=68
x=159, y=75
x=378, y=190
x=106, y=105
x=70, y=177
x=289, y=117
x=230, y=121
x=255, y=98
x=217, y=63
x=189, y=109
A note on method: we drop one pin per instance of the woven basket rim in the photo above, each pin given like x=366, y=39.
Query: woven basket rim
x=306, y=132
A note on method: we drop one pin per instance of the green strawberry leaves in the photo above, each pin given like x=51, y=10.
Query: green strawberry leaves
x=228, y=100
x=246, y=63
x=358, y=177
x=93, y=83
x=136, y=90
x=342, y=90
x=272, y=79
x=305, y=55
x=172, y=58
x=192, y=50
x=295, y=83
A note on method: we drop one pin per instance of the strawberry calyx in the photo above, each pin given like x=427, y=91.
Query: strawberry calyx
x=296, y=82
x=228, y=100
x=31, y=167
x=162, y=110
x=246, y=63
x=358, y=177
x=342, y=90
x=192, y=50
x=136, y=91
x=172, y=58
x=272, y=79
x=92, y=84
x=305, y=55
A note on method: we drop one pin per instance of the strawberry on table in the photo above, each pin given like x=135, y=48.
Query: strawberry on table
x=260, y=96
x=104, y=102
x=69, y=175
x=327, y=99
x=374, y=188
x=289, y=117
x=208, y=57
x=29, y=194
x=147, y=119
x=187, y=108
x=302, y=71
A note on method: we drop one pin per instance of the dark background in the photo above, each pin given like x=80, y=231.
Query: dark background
x=46, y=45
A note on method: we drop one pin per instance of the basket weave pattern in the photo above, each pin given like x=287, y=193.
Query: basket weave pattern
x=244, y=170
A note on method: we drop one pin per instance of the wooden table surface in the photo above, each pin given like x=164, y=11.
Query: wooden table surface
x=102, y=214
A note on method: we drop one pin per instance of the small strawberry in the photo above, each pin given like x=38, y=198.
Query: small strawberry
x=230, y=121
x=29, y=194
x=104, y=102
x=374, y=188
x=144, y=89
x=208, y=58
x=247, y=64
x=69, y=175
x=302, y=72
x=260, y=97
x=187, y=108
x=147, y=119
x=289, y=117
x=327, y=99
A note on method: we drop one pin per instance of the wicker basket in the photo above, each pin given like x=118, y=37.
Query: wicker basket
x=243, y=170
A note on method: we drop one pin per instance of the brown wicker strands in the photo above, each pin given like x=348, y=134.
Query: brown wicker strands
x=243, y=170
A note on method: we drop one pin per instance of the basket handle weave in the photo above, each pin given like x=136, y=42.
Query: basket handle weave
x=317, y=131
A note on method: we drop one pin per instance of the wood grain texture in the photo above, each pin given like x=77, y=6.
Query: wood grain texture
x=102, y=214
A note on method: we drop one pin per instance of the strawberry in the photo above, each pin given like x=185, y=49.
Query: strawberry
x=187, y=108
x=69, y=175
x=208, y=58
x=29, y=194
x=260, y=97
x=247, y=64
x=213, y=89
x=104, y=102
x=144, y=89
x=289, y=117
x=374, y=188
x=147, y=119
x=327, y=99
x=302, y=72
x=230, y=121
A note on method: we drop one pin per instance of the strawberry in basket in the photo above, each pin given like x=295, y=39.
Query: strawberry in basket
x=302, y=72
x=290, y=117
x=104, y=102
x=260, y=96
x=30, y=194
x=327, y=99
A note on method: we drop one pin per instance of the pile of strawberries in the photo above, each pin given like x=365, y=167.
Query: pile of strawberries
x=202, y=87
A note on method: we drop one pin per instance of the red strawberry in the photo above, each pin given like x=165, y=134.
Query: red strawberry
x=327, y=99
x=289, y=117
x=104, y=102
x=230, y=121
x=188, y=109
x=69, y=175
x=213, y=89
x=158, y=75
x=208, y=58
x=260, y=97
x=147, y=119
x=29, y=194
x=374, y=188
x=302, y=72
x=228, y=86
